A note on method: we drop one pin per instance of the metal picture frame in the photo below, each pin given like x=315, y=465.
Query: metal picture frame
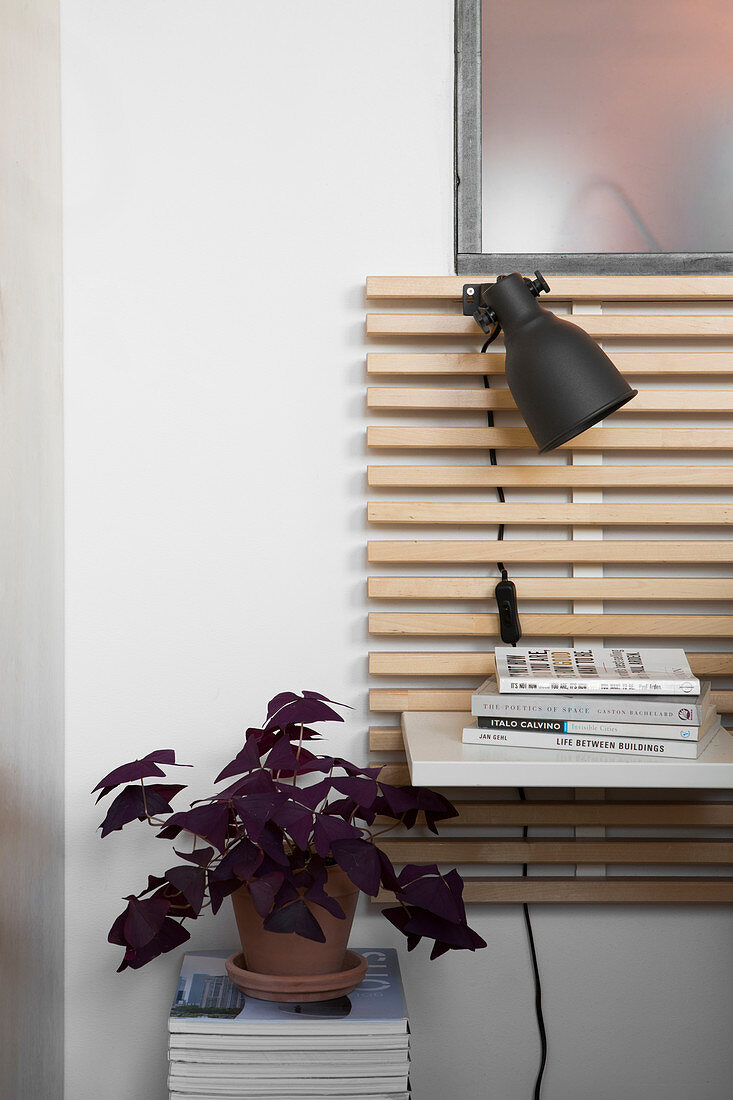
x=470, y=257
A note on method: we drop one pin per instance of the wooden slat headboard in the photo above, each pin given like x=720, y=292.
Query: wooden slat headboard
x=619, y=534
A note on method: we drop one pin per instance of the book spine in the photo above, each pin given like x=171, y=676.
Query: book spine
x=592, y=709
x=598, y=686
x=626, y=746
x=593, y=729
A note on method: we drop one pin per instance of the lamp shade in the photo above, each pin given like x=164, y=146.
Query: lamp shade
x=560, y=379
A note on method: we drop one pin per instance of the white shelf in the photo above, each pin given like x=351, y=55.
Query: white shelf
x=438, y=758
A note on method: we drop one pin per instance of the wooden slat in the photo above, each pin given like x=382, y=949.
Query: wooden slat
x=590, y=890
x=550, y=850
x=554, y=550
x=408, y=437
x=681, y=402
x=583, y=288
x=630, y=363
x=396, y=774
x=408, y=623
x=541, y=514
x=550, y=476
x=395, y=700
x=481, y=665
x=553, y=588
x=647, y=815
x=385, y=739
x=600, y=326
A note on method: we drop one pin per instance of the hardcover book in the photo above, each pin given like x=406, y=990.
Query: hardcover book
x=647, y=709
x=532, y=669
x=625, y=746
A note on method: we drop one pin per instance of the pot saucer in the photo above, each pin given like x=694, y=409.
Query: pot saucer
x=300, y=987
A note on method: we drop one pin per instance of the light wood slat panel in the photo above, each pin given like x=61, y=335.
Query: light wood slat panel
x=385, y=739
x=649, y=401
x=590, y=890
x=584, y=288
x=408, y=437
x=555, y=551
x=601, y=326
x=550, y=850
x=539, y=477
x=630, y=363
x=552, y=588
x=566, y=626
x=708, y=815
x=395, y=700
x=481, y=665
x=541, y=514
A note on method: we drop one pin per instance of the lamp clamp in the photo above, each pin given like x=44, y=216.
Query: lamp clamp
x=475, y=300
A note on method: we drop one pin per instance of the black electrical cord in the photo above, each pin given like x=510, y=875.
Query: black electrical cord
x=537, y=983
x=525, y=908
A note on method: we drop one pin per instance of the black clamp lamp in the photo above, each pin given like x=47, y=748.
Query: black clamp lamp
x=560, y=379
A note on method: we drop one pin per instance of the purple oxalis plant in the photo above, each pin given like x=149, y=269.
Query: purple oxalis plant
x=284, y=818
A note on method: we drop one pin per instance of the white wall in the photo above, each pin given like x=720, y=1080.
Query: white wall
x=31, y=549
x=233, y=171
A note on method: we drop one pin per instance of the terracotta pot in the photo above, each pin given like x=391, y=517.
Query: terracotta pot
x=286, y=953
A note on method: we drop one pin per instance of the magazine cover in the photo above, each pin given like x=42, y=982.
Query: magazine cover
x=206, y=1000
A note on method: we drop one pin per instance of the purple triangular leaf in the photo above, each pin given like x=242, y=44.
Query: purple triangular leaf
x=297, y=821
x=359, y=859
x=154, y=881
x=271, y=842
x=127, y=806
x=191, y=882
x=327, y=828
x=200, y=856
x=316, y=894
x=431, y=892
x=296, y=918
x=137, y=769
x=288, y=708
x=246, y=759
x=256, y=809
x=210, y=822
x=144, y=920
x=262, y=891
x=400, y=917
x=171, y=935
x=389, y=877
x=363, y=791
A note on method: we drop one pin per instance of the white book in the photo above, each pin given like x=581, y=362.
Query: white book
x=594, y=671
x=567, y=742
x=523, y=724
x=651, y=709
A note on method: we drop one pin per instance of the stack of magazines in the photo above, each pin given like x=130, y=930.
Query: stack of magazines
x=223, y=1044
x=636, y=702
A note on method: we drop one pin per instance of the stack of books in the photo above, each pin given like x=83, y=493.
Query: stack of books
x=636, y=702
x=223, y=1044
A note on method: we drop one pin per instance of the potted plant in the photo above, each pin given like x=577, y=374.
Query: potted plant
x=292, y=838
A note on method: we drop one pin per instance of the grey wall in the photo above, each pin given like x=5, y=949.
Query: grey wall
x=31, y=555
